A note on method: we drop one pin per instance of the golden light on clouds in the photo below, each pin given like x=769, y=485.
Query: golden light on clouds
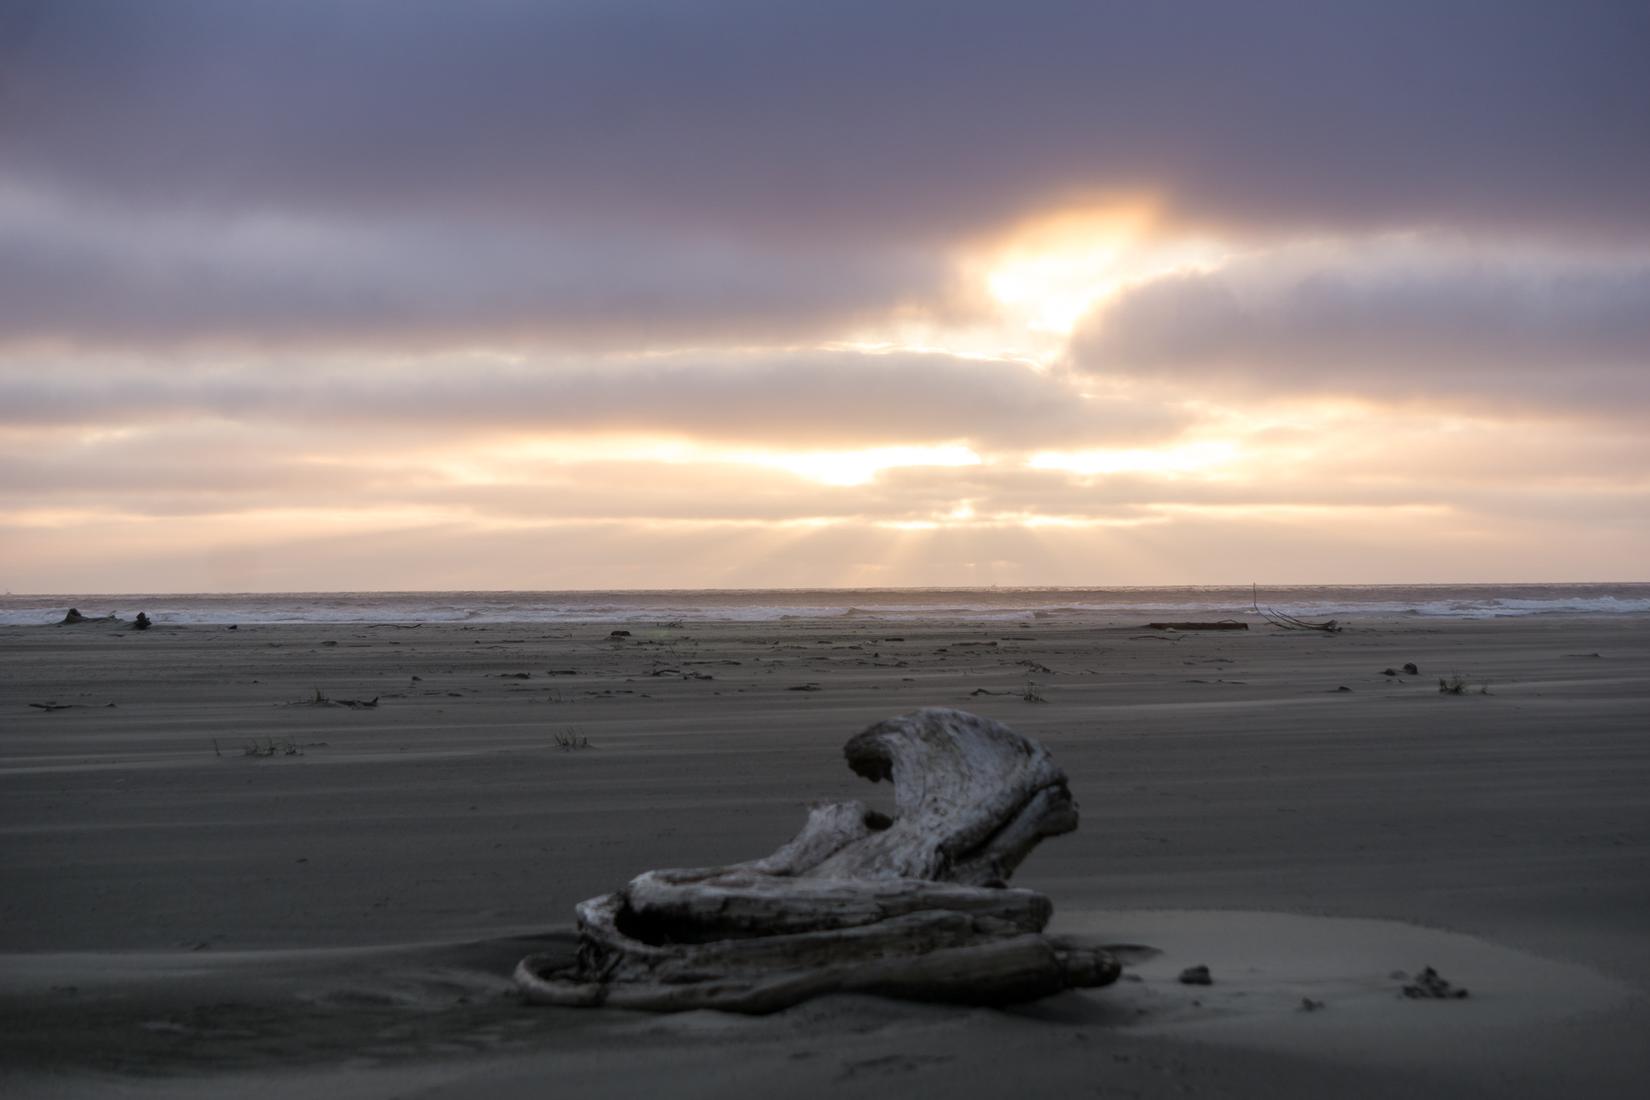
x=1203, y=457
x=844, y=467
x=1047, y=272
x=858, y=467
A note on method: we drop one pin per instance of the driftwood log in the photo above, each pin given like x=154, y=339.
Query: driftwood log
x=913, y=906
x=1219, y=624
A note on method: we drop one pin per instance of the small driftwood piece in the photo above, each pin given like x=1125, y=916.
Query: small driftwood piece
x=1219, y=624
x=1290, y=622
x=913, y=906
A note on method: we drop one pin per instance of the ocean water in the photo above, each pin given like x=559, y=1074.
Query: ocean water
x=865, y=604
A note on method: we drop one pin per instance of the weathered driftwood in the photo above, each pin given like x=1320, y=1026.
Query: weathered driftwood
x=1218, y=624
x=1290, y=622
x=911, y=906
x=74, y=617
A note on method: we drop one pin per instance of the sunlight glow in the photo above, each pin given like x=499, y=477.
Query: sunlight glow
x=1052, y=271
x=1188, y=458
x=858, y=467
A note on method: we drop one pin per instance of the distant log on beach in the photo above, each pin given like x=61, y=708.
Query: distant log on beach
x=74, y=617
x=1222, y=624
x=913, y=906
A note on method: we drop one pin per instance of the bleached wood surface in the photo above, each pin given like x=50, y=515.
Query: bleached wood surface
x=915, y=906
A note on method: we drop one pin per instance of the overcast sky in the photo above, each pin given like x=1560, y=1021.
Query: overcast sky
x=598, y=293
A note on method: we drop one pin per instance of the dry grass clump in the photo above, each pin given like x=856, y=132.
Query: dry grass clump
x=570, y=740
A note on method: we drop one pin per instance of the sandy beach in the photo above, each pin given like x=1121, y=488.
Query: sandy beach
x=220, y=878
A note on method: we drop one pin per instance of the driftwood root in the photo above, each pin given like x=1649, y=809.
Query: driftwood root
x=913, y=906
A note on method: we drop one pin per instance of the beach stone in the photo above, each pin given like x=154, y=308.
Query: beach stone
x=1196, y=975
x=1412, y=668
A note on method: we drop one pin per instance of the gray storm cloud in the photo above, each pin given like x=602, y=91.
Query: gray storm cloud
x=96, y=275
x=374, y=170
x=853, y=117
x=1396, y=321
x=819, y=398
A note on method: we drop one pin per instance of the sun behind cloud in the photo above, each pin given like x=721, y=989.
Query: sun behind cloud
x=1047, y=272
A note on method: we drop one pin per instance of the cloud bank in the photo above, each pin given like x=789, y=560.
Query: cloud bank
x=1407, y=320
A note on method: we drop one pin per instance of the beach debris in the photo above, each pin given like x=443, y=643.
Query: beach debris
x=1028, y=693
x=1290, y=622
x=1411, y=668
x=321, y=699
x=1389, y=672
x=1342, y=688
x=618, y=634
x=1195, y=975
x=805, y=687
x=570, y=741
x=48, y=707
x=269, y=747
x=74, y=617
x=1460, y=685
x=1220, y=624
x=915, y=906
x=1309, y=1005
x=1429, y=985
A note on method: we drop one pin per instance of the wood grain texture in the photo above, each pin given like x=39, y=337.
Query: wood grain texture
x=916, y=906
